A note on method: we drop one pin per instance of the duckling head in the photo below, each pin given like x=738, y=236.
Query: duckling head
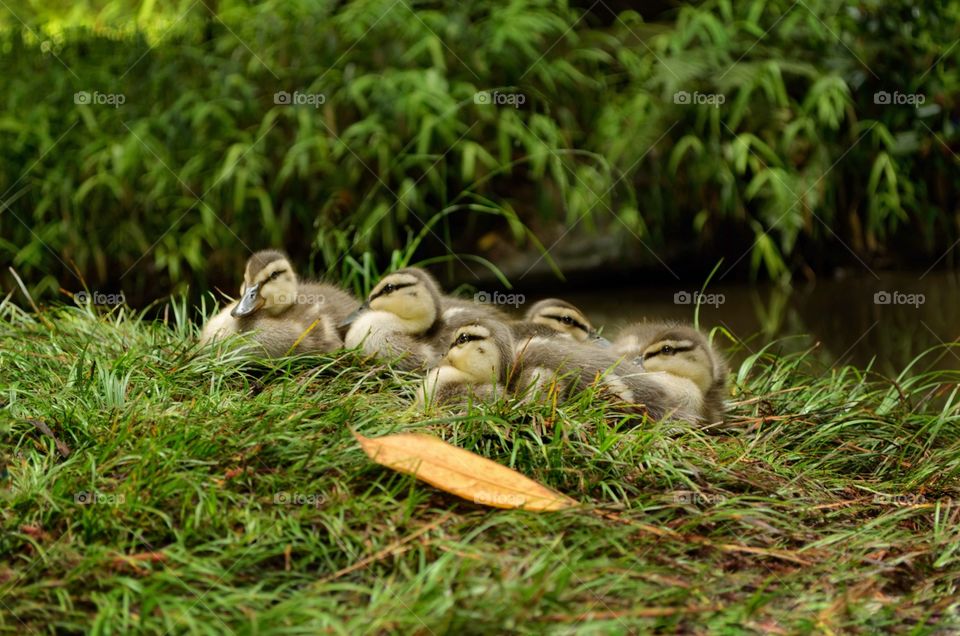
x=269, y=285
x=481, y=350
x=410, y=294
x=564, y=318
x=683, y=352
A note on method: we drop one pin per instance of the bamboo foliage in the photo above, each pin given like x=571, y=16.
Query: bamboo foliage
x=200, y=159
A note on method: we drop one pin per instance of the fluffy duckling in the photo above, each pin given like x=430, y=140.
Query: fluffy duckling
x=685, y=357
x=476, y=363
x=483, y=359
x=278, y=310
x=406, y=314
x=554, y=316
x=401, y=317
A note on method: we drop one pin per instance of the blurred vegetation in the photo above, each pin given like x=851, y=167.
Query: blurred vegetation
x=800, y=169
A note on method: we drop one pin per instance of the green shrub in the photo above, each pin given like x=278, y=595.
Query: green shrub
x=199, y=161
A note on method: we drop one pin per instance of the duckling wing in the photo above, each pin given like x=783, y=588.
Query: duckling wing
x=524, y=330
x=274, y=336
x=329, y=298
x=547, y=363
x=482, y=310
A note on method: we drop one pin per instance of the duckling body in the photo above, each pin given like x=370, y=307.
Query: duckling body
x=690, y=365
x=280, y=313
x=484, y=360
x=455, y=309
x=219, y=326
x=545, y=365
x=400, y=318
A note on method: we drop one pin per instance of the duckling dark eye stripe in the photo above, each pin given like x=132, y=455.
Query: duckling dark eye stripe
x=654, y=354
x=395, y=288
x=574, y=321
x=465, y=338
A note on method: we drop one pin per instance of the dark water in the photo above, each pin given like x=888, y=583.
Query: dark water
x=848, y=318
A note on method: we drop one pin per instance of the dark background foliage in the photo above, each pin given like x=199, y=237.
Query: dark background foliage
x=799, y=170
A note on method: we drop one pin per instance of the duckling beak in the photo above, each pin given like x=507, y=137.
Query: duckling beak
x=598, y=339
x=349, y=320
x=250, y=302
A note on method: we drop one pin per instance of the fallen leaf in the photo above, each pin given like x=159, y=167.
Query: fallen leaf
x=461, y=472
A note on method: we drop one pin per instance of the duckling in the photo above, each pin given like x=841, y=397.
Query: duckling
x=410, y=317
x=278, y=310
x=475, y=364
x=401, y=317
x=685, y=357
x=483, y=359
x=554, y=316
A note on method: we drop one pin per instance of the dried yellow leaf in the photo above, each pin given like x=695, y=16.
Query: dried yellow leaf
x=460, y=472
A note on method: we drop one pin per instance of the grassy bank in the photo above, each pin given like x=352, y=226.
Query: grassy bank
x=197, y=493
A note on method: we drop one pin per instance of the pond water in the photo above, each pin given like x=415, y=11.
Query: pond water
x=856, y=320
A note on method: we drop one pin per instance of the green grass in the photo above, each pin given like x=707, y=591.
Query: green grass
x=831, y=506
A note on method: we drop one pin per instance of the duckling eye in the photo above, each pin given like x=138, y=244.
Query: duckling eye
x=666, y=350
x=567, y=320
x=389, y=288
x=462, y=339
